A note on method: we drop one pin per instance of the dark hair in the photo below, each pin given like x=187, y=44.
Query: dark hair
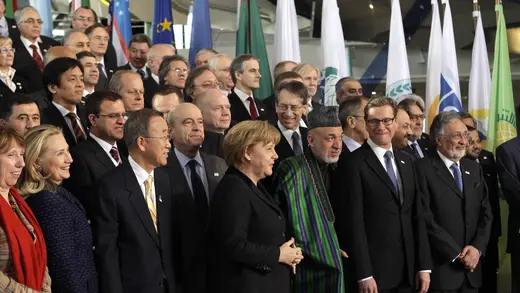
x=138, y=124
x=140, y=38
x=7, y=103
x=192, y=76
x=91, y=28
x=464, y=115
x=285, y=76
x=238, y=65
x=165, y=66
x=54, y=70
x=278, y=69
x=407, y=103
x=94, y=100
x=349, y=108
x=92, y=10
x=377, y=102
x=339, y=84
x=84, y=54
x=165, y=90
x=294, y=87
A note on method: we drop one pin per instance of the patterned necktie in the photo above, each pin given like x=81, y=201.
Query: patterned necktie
x=78, y=133
x=115, y=154
x=252, y=109
x=390, y=170
x=296, y=144
x=141, y=73
x=149, y=200
x=199, y=193
x=102, y=76
x=457, y=175
x=415, y=150
x=36, y=56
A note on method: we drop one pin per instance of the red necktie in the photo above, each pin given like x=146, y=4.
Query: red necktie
x=115, y=154
x=252, y=109
x=80, y=136
x=36, y=56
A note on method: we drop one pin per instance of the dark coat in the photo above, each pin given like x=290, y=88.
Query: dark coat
x=239, y=112
x=454, y=219
x=21, y=83
x=489, y=167
x=213, y=144
x=52, y=116
x=150, y=89
x=69, y=241
x=427, y=147
x=14, y=33
x=246, y=229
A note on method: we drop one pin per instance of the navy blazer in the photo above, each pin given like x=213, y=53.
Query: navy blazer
x=69, y=241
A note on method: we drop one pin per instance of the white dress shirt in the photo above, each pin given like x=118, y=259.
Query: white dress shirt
x=64, y=113
x=448, y=163
x=103, y=65
x=309, y=104
x=419, y=150
x=287, y=133
x=107, y=147
x=244, y=98
x=200, y=168
x=86, y=93
x=27, y=44
x=142, y=176
x=4, y=29
x=156, y=78
x=134, y=69
x=351, y=144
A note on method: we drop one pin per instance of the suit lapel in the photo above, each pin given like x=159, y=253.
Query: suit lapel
x=260, y=192
x=466, y=180
x=284, y=149
x=175, y=167
x=405, y=174
x=375, y=164
x=101, y=155
x=305, y=144
x=445, y=175
x=212, y=175
x=161, y=200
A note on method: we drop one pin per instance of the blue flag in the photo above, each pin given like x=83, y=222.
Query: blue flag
x=200, y=29
x=120, y=29
x=44, y=9
x=163, y=23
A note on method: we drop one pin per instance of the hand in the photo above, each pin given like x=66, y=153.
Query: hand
x=288, y=253
x=470, y=257
x=344, y=254
x=422, y=282
x=368, y=286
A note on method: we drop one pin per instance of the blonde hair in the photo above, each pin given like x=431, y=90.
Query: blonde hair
x=304, y=69
x=245, y=135
x=5, y=41
x=32, y=180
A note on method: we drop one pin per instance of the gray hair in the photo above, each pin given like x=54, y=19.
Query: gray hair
x=166, y=65
x=207, y=50
x=349, y=108
x=151, y=52
x=406, y=101
x=341, y=82
x=68, y=33
x=137, y=125
x=18, y=15
x=213, y=61
x=439, y=123
x=116, y=82
x=238, y=65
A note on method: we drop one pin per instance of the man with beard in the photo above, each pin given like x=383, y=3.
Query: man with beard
x=90, y=72
x=379, y=210
x=456, y=208
x=138, y=48
x=303, y=185
x=403, y=131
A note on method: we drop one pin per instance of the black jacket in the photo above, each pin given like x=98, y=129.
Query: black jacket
x=14, y=33
x=239, y=112
x=213, y=144
x=52, y=116
x=21, y=83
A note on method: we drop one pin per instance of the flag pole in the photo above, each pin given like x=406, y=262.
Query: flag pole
x=313, y=14
x=497, y=2
x=476, y=9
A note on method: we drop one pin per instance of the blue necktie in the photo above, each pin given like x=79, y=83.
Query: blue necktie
x=390, y=170
x=296, y=144
x=199, y=193
x=415, y=150
x=457, y=175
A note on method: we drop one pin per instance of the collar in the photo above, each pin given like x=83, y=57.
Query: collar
x=447, y=161
x=243, y=96
x=351, y=144
x=134, y=69
x=379, y=151
x=85, y=92
x=139, y=172
x=103, y=62
x=28, y=43
x=224, y=92
x=156, y=78
x=64, y=111
x=104, y=145
x=3, y=22
x=287, y=132
x=184, y=160
x=411, y=142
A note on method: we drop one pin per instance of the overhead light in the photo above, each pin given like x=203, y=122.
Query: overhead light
x=371, y=6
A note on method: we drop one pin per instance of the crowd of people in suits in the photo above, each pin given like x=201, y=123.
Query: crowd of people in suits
x=158, y=177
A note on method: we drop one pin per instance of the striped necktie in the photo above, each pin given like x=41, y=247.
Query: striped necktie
x=149, y=200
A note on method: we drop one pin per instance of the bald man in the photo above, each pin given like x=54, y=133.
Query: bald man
x=196, y=175
x=155, y=57
x=77, y=41
x=216, y=112
x=58, y=52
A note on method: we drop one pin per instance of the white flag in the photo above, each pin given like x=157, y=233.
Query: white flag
x=286, y=39
x=397, y=74
x=479, y=92
x=433, y=75
x=450, y=87
x=334, y=62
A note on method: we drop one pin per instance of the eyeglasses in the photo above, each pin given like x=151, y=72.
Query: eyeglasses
x=114, y=116
x=179, y=70
x=416, y=117
x=293, y=108
x=5, y=51
x=457, y=135
x=376, y=122
x=33, y=21
x=82, y=18
x=209, y=85
x=163, y=139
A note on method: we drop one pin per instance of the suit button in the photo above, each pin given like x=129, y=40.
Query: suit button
x=279, y=217
x=283, y=234
x=161, y=284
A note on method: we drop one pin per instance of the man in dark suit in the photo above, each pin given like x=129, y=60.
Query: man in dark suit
x=245, y=71
x=129, y=85
x=270, y=102
x=138, y=48
x=30, y=47
x=220, y=65
x=402, y=132
x=8, y=26
x=508, y=165
x=63, y=79
x=99, y=41
x=103, y=150
x=199, y=80
x=419, y=144
x=378, y=209
x=216, y=113
x=19, y=112
x=456, y=208
x=346, y=88
x=195, y=176
x=155, y=57
x=134, y=226
x=166, y=99
x=352, y=118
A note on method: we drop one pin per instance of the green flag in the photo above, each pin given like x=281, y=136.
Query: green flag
x=10, y=8
x=250, y=40
x=502, y=118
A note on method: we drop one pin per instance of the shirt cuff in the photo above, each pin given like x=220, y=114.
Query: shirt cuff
x=455, y=258
x=365, y=279
x=426, y=271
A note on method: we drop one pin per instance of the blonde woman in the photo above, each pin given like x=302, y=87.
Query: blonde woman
x=61, y=216
x=10, y=82
x=311, y=79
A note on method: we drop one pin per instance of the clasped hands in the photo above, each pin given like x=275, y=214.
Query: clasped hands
x=469, y=257
x=290, y=254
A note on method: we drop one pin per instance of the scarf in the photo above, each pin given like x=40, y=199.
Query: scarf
x=29, y=257
x=7, y=79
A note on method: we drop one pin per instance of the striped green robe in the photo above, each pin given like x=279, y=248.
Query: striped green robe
x=303, y=197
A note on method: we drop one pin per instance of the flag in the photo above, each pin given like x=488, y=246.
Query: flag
x=120, y=29
x=398, y=81
x=79, y=3
x=286, y=38
x=44, y=9
x=163, y=23
x=334, y=62
x=10, y=7
x=502, y=118
x=200, y=29
x=433, y=75
x=480, y=81
x=250, y=40
x=450, y=87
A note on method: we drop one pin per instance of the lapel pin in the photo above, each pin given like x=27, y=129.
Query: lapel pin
x=466, y=172
x=216, y=174
x=485, y=158
x=425, y=149
x=402, y=162
x=160, y=198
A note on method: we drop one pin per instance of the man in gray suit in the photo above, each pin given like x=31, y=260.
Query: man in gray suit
x=194, y=177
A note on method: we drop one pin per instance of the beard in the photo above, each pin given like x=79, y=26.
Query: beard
x=325, y=158
x=456, y=154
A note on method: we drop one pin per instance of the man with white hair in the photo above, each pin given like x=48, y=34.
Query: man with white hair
x=77, y=41
x=203, y=56
x=220, y=64
x=155, y=57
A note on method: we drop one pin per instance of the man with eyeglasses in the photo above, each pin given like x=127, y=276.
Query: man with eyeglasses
x=30, y=47
x=419, y=144
x=216, y=113
x=456, y=208
x=173, y=71
x=77, y=41
x=103, y=150
x=138, y=48
x=200, y=80
x=155, y=56
x=352, y=119
x=196, y=176
x=220, y=64
x=99, y=42
x=378, y=210
x=129, y=85
x=8, y=27
x=83, y=17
